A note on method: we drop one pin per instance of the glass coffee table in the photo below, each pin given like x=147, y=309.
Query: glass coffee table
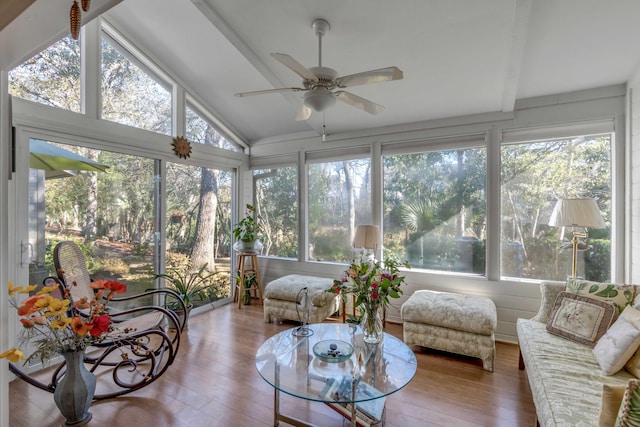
x=317, y=364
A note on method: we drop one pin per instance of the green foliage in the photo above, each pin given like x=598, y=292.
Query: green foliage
x=190, y=285
x=248, y=228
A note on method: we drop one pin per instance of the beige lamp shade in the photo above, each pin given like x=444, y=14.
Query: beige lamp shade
x=367, y=237
x=576, y=213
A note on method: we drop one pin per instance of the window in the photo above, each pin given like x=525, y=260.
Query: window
x=130, y=95
x=199, y=224
x=536, y=174
x=276, y=193
x=435, y=209
x=108, y=213
x=202, y=131
x=339, y=199
x=51, y=77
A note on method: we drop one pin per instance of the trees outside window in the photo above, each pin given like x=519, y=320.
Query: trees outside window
x=534, y=176
x=130, y=95
x=435, y=209
x=339, y=199
x=276, y=193
x=51, y=77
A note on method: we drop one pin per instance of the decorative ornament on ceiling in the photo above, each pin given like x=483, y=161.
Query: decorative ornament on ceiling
x=181, y=147
x=75, y=18
x=320, y=83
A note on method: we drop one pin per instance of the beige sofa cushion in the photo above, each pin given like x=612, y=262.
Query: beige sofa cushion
x=288, y=288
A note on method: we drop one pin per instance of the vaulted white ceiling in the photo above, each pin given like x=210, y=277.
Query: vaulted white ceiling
x=459, y=57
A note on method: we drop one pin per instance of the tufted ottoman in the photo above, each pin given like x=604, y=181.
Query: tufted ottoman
x=280, y=298
x=451, y=322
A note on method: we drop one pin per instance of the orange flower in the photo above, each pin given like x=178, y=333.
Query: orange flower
x=82, y=303
x=80, y=327
x=27, y=306
x=27, y=322
x=115, y=288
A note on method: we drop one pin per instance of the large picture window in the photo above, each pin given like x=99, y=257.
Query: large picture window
x=534, y=176
x=276, y=193
x=339, y=199
x=435, y=209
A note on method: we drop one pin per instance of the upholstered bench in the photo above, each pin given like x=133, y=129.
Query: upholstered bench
x=456, y=323
x=281, y=297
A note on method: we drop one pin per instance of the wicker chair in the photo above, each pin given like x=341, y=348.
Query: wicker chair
x=144, y=345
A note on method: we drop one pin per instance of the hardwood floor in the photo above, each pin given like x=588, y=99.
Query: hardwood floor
x=214, y=383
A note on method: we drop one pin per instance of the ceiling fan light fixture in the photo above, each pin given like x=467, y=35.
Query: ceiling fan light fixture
x=319, y=99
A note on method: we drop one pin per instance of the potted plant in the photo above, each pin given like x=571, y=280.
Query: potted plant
x=248, y=229
x=190, y=285
x=250, y=281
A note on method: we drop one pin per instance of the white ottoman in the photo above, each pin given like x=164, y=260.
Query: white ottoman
x=456, y=323
x=280, y=298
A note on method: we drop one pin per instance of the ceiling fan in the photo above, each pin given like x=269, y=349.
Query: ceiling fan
x=320, y=83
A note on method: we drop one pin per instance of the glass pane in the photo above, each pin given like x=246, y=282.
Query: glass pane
x=109, y=214
x=198, y=229
x=435, y=209
x=199, y=129
x=339, y=199
x=277, y=204
x=51, y=77
x=132, y=97
x=534, y=176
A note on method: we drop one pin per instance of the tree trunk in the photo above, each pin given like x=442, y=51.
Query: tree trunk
x=90, y=226
x=348, y=183
x=203, y=250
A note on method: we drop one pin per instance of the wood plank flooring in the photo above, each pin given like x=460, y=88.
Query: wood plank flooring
x=213, y=382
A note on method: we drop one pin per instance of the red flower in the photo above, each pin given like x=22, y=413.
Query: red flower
x=374, y=295
x=100, y=325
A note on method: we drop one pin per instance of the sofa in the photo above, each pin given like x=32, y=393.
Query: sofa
x=565, y=377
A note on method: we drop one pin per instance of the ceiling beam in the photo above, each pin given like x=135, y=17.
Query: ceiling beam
x=519, y=29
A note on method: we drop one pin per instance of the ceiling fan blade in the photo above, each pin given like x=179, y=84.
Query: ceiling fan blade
x=262, y=92
x=303, y=114
x=359, y=102
x=294, y=66
x=372, y=76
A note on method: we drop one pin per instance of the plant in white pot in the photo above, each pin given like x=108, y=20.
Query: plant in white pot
x=248, y=230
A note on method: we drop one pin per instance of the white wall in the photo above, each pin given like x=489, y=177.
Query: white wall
x=513, y=299
x=633, y=177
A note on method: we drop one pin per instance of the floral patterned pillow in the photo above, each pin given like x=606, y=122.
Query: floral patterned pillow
x=580, y=319
x=618, y=295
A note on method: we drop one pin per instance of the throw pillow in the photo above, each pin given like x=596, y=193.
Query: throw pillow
x=619, y=295
x=611, y=400
x=580, y=319
x=629, y=412
x=619, y=343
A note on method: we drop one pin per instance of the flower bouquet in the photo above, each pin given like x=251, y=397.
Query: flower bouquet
x=372, y=283
x=48, y=322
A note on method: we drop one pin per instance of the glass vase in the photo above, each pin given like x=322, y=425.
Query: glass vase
x=371, y=324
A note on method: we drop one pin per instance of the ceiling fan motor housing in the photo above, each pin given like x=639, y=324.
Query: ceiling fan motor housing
x=318, y=96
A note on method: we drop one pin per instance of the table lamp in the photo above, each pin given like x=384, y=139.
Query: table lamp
x=576, y=213
x=367, y=237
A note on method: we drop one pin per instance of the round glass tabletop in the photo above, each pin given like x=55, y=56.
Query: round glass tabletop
x=287, y=362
